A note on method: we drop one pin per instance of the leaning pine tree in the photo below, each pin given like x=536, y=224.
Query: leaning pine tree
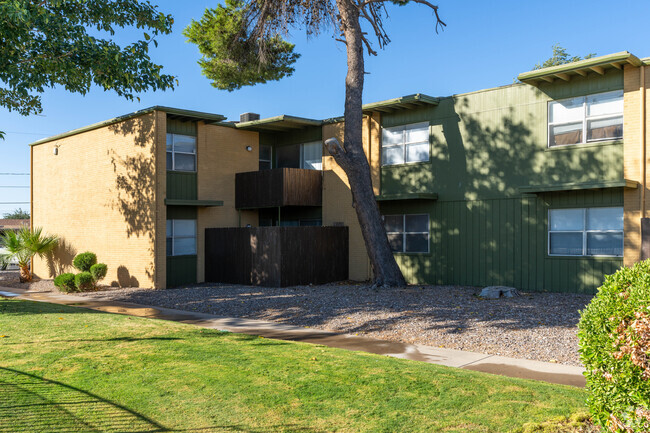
x=241, y=43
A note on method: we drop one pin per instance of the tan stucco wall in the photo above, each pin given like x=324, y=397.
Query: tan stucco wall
x=633, y=160
x=99, y=194
x=337, y=198
x=221, y=152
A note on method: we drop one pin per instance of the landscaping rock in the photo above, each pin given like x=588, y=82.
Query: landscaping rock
x=496, y=292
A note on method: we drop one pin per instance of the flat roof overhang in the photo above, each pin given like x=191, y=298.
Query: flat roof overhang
x=536, y=189
x=408, y=196
x=197, y=203
x=401, y=103
x=173, y=113
x=598, y=65
x=283, y=123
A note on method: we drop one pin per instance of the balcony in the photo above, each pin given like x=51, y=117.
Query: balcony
x=278, y=187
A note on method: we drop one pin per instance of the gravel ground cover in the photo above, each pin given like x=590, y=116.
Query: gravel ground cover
x=538, y=326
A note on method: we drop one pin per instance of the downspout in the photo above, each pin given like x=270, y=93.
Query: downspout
x=643, y=142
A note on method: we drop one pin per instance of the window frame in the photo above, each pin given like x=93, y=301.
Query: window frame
x=404, y=144
x=585, y=120
x=261, y=160
x=584, y=232
x=174, y=152
x=173, y=238
x=404, y=233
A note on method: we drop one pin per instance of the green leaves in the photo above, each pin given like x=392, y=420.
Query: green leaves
x=232, y=56
x=46, y=44
x=561, y=57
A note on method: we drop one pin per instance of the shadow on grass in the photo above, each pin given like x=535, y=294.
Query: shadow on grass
x=30, y=403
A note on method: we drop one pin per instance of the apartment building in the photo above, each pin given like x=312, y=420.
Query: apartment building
x=538, y=185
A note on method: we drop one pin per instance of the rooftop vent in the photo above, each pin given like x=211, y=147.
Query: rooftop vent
x=247, y=117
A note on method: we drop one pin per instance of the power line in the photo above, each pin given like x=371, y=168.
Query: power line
x=14, y=174
x=14, y=202
x=25, y=133
x=14, y=186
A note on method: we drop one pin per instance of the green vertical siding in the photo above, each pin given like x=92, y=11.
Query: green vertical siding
x=176, y=126
x=181, y=185
x=181, y=270
x=503, y=242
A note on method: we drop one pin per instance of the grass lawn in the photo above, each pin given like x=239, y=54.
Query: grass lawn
x=69, y=369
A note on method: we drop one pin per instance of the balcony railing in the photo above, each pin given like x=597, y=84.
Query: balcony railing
x=278, y=187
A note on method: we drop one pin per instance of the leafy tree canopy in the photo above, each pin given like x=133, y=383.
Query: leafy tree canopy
x=46, y=43
x=561, y=57
x=232, y=58
x=17, y=214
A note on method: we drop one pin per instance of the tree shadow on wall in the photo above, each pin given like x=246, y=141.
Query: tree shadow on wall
x=60, y=259
x=134, y=190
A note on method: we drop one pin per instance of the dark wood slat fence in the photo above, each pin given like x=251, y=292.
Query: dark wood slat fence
x=276, y=256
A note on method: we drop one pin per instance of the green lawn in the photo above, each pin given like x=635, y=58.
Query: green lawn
x=71, y=369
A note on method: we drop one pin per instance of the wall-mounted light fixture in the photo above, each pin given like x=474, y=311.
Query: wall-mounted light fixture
x=56, y=149
x=249, y=148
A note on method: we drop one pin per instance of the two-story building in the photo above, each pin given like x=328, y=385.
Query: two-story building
x=540, y=185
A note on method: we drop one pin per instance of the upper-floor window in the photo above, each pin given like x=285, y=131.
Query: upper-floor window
x=403, y=144
x=181, y=152
x=586, y=119
x=408, y=233
x=594, y=231
x=265, y=157
x=305, y=155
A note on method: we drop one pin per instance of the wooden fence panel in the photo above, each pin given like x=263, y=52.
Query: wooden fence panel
x=276, y=256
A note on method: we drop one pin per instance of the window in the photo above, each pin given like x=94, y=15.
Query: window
x=408, y=233
x=585, y=232
x=181, y=237
x=265, y=157
x=585, y=119
x=181, y=152
x=306, y=155
x=403, y=144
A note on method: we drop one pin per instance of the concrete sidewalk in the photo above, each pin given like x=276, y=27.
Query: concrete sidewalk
x=513, y=367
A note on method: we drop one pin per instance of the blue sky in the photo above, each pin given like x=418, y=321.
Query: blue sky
x=485, y=44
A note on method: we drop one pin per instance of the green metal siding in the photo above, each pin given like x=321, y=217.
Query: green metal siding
x=181, y=185
x=181, y=270
x=175, y=126
x=488, y=143
x=503, y=242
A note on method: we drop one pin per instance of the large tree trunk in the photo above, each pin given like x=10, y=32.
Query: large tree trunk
x=352, y=159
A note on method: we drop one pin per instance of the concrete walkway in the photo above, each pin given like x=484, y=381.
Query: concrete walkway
x=545, y=371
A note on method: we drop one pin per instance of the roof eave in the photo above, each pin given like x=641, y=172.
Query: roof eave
x=404, y=102
x=282, y=123
x=582, y=67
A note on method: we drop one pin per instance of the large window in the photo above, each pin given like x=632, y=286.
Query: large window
x=586, y=119
x=305, y=155
x=408, y=233
x=585, y=232
x=403, y=144
x=265, y=157
x=181, y=237
x=181, y=152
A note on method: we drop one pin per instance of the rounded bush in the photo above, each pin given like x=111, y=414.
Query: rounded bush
x=98, y=271
x=65, y=283
x=84, y=261
x=614, y=333
x=84, y=281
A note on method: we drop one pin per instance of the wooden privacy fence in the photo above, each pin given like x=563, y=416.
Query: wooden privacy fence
x=276, y=256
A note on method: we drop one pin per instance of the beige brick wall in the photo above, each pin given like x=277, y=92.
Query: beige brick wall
x=99, y=194
x=337, y=197
x=221, y=153
x=633, y=160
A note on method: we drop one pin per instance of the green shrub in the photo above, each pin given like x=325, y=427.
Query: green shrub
x=84, y=261
x=84, y=281
x=65, y=283
x=98, y=271
x=614, y=333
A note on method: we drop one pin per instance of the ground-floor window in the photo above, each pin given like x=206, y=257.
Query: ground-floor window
x=408, y=233
x=585, y=232
x=181, y=237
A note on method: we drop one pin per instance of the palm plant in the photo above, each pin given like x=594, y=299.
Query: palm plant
x=23, y=245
